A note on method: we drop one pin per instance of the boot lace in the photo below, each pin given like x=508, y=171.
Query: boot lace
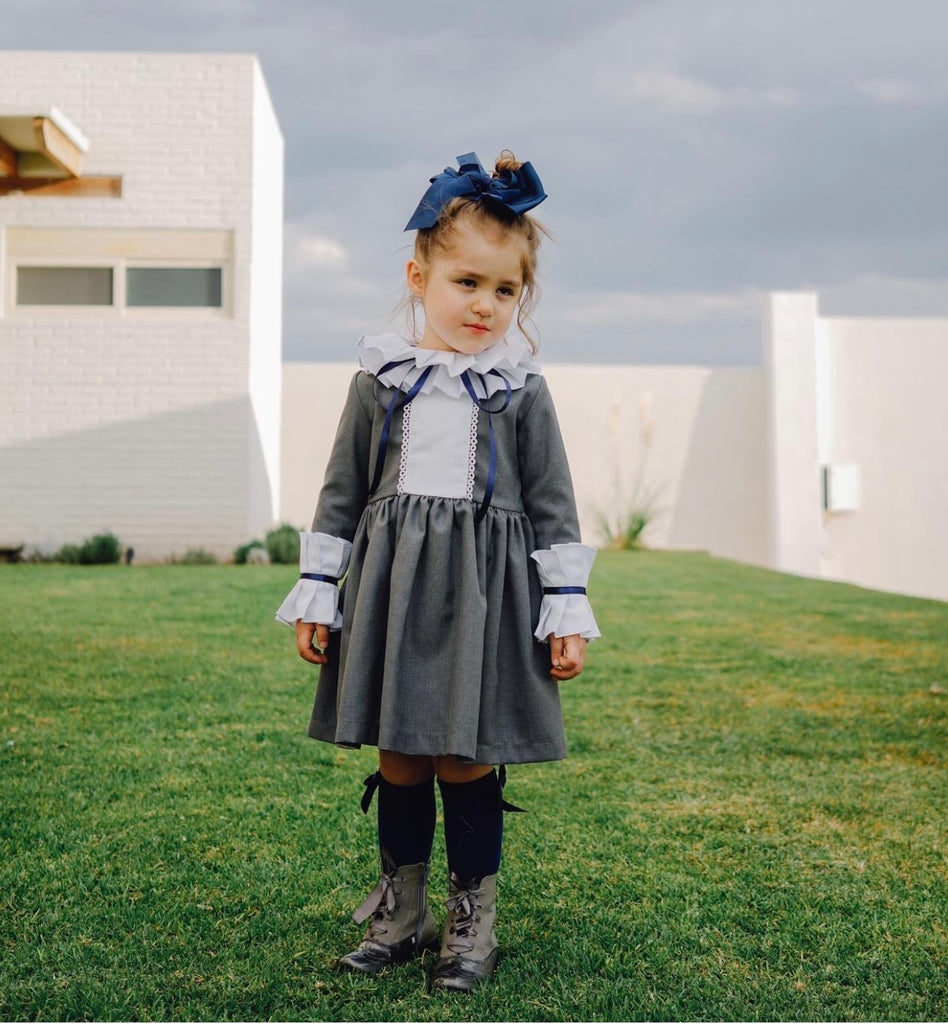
x=463, y=905
x=379, y=905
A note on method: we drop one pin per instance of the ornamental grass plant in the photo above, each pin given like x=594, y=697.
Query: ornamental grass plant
x=750, y=826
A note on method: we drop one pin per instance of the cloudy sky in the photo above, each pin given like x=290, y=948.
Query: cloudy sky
x=697, y=153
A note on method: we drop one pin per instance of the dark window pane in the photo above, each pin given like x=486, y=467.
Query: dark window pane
x=64, y=286
x=173, y=286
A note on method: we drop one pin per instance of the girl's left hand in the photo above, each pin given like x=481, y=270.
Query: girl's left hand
x=567, y=656
x=306, y=634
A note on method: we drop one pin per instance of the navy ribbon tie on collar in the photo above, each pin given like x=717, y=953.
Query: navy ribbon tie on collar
x=402, y=398
x=519, y=190
x=481, y=403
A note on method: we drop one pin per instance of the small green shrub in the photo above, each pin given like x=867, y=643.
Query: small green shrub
x=35, y=556
x=623, y=532
x=241, y=553
x=68, y=553
x=102, y=549
x=198, y=556
x=623, y=528
x=283, y=544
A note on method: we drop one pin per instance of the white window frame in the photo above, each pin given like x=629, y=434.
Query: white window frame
x=119, y=249
x=59, y=310
x=118, y=308
x=177, y=312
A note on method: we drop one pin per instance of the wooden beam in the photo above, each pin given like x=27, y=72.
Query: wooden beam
x=102, y=187
x=7, y=160
x=57, y=145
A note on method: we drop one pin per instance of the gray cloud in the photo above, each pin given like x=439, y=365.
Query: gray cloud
x=697, y=152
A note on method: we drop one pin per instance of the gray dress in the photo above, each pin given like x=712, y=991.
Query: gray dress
x=437, y=654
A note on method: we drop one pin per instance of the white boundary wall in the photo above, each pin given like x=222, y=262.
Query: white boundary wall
x=696, y=431
x=888, y=419
x=739, y=456
x=860, y=401
x=160, y=425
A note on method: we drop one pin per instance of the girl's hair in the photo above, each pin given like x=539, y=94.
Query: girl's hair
x=433, y=241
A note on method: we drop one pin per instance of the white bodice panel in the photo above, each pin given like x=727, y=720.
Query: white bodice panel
x=439, y=446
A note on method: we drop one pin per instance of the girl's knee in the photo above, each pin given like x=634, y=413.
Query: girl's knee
x=405, y=769
x=450, y=769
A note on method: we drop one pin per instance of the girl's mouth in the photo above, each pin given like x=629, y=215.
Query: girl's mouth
x=477, y=327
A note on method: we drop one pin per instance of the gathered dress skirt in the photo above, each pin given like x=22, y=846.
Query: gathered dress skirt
x=436, y=655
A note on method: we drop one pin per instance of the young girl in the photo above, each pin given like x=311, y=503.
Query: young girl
x=448, y=509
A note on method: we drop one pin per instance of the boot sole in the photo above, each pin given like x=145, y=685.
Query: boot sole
x=455, y=978
x=370, y=965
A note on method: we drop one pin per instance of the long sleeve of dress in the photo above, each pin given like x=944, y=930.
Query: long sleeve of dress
x=346, y=483
x=545, y=480
x=563, y=561
x=324, y=552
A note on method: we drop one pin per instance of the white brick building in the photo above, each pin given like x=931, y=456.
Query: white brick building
x=141, y=219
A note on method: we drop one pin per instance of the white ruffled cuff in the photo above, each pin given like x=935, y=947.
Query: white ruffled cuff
x=565, y=565
x=317, y=599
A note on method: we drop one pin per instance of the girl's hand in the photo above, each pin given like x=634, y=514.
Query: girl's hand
x=305, y=634
x=567, y=656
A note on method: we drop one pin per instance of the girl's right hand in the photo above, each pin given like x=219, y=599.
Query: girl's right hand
x=306, y=632
x=567, y=655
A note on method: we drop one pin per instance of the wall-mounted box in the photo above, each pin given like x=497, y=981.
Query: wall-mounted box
x=842, y=490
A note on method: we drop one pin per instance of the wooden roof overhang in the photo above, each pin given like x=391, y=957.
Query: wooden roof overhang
x=41, y=154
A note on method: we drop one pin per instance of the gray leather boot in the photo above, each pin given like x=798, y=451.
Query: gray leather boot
x=468, y=947
x=401, y=925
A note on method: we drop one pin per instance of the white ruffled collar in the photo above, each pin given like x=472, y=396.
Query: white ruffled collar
x=511, y=357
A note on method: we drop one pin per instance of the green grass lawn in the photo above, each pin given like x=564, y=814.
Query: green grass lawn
x=751, y=824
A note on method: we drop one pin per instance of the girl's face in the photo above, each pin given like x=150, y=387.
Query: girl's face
x=470, y=291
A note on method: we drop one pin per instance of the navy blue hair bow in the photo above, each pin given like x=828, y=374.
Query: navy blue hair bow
x=518, y=190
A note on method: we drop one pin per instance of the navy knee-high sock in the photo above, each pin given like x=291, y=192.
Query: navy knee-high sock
x=473, y=826
x=406, y=822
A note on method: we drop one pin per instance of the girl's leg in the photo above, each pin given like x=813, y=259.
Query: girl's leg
x=406, y=810
x=450, y=769
x=473, y=819
x=401, y=925
x=473, y=833
x=405, y=769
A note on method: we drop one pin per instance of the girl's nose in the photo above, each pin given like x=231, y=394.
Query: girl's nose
x=483, y=304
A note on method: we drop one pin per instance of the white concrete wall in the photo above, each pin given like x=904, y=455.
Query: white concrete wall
x=313, y=397
x=159, y=425
x=694, y=435
x=735, y=457
x=266, y=305
x=792, y=458
x=889, y=418
x=865, y=395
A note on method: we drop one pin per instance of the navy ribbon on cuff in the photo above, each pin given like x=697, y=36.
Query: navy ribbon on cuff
x=564, y=590
x=319, y=576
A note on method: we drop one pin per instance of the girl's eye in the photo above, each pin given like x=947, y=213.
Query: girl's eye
x=467, y=282
x=506, y=290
